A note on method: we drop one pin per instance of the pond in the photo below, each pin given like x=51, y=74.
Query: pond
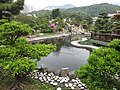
x=65, y=56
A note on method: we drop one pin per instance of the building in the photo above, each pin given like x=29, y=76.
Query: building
x=27, y=9
x=117, y=15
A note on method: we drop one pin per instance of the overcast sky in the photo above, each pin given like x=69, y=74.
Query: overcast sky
x=44, y=3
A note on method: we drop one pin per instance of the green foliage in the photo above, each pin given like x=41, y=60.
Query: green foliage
x=16, y=55
x=19, y=66
x=7, y=53
x=96, y=9
x=10, y=31
x=55, y=13
x=115, y=44
x=9, y=8
x=2, y=21
x=103, y=24
x=44, y=28
x=30, y=20
x=102, y=68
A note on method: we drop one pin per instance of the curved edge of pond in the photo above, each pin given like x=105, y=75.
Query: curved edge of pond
x=76, y=44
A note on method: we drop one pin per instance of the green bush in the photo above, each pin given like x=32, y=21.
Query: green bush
x=17, y=56
x=10, y=31
x=103, y=65
x=115, y=44
x=102, y=68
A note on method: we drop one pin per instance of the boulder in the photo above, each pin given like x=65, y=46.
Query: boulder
x=71, y=75
x=63, y=72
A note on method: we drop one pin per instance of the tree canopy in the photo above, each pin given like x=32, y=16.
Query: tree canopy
x=56, y=13
x=10, y=7
x=16, y=55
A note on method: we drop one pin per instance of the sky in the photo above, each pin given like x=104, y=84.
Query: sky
x=40, y=4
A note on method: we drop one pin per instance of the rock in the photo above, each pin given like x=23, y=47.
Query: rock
x=74, y=85
x=66, y=80
x=58, y=80
x=55, y=83
x=66, y=85
x=72, y=88
x=47, y=81
x=44, y=78
x=71, y=75
x=73, y=80
x=52, y=74
x=83, y=85
x=57, y=72
x=51, y=83
x=42, y=68
x=61, y=81
x=40, y=78
x=49, y=74
x=70, y=84
x=36, y=77
x=79, y=85
x=45, y=73
x=64, y=72
x=82, y=88
x=58, y=88
x=52, y=80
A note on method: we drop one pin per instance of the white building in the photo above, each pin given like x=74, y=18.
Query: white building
x=27, y=9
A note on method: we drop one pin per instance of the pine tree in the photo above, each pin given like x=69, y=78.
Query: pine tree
x=10, y=7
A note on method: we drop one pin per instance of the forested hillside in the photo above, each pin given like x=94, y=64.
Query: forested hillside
x=96, y=9
x=93, y=10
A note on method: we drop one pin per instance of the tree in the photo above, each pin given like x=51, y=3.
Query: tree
x=102, y=68
x=55, y=13
x=12, y=30
x=103, y=24
x=16, y=55
x=9, y=8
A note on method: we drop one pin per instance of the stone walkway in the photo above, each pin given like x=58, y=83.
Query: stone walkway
x=46, y=37
x=76, y=44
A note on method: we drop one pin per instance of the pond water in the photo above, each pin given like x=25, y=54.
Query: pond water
x=65, y=56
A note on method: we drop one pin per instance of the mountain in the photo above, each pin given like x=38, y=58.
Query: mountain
x=66, y=6
x=117, y=4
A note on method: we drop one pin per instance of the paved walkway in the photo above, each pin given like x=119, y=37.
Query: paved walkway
x=76, y=44
x=47, y=37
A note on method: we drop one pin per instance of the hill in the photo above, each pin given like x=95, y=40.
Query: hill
x=93, y=11
x=96, y=9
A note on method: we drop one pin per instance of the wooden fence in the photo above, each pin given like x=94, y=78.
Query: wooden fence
x=104, y=37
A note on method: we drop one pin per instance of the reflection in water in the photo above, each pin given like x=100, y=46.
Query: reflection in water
x=65, y=56
x=69, y=57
